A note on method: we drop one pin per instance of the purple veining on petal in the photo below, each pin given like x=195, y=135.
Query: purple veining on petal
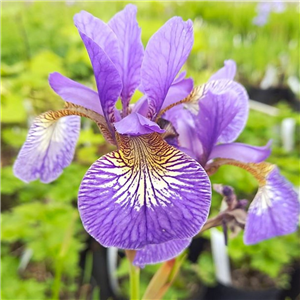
x=165, y=54
x=227, y=72
x=233, y=101
x=241, y=152
x=274, y=210
x=156, y=253
x=128, y=33
x=48, y=149
x=223, y=112
x=74, y=92
x=108, y=80
x=146, y=193
x=100, y=33
x=136, y=124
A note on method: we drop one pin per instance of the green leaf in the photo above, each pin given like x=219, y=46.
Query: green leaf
x=13, y=110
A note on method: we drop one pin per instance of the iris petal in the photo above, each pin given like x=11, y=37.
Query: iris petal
x=145, y=193
x=153, y=254
x=136, y=124
x=227, y=103
x=74, y=92
x=125, y=26
x=180, y=89
x=223, y=112
x=100, y=33
x=242, y=152
x=108, y=80
x=185, y=124
x=165, y=54
x=49, y=148
x=227, y=72
x=274, y=210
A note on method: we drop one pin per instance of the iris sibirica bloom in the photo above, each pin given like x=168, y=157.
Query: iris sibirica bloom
x=146, y=195
x=152, y=194
x=209, y=136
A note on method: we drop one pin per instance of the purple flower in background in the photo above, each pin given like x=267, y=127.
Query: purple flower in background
x=211, y=125
x=264, y=9
x=208, y=121
x=146, y=195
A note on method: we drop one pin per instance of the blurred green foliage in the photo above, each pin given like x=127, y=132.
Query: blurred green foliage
x=43, y=218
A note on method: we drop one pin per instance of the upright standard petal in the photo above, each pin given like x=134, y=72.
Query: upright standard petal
x=74, y=92
x=227, y=72
x=165, y=54
x=145, y=193
x=274, y=210
x=156, y=253
x=136, y=124
x=125, y=26
x=108, y=80
x=100, y=33
x=49, y=148
x=242, y=152
x=223, y=112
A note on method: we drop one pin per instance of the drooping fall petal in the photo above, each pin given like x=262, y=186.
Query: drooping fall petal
x=156, y=253
x=48, y=149
x=274, y=210
x=145, y=193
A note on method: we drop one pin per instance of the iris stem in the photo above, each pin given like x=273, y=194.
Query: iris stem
x=134, y=282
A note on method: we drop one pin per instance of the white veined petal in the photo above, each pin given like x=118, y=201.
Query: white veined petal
x=48, y=149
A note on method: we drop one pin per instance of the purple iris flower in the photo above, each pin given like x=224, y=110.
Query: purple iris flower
x=207, y=130
x=152, y=194
x=146, y=195
x=212, y=123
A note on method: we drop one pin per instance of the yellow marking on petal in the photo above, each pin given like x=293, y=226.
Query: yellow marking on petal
x=77, y=110
x=150, y=165
x=193, y=97
x=198, y=93
x=259, y=170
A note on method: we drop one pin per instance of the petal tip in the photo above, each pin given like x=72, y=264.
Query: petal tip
x=274, y=210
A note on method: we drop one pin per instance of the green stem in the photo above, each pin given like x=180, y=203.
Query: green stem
x=134, y=282
x=57, y=280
